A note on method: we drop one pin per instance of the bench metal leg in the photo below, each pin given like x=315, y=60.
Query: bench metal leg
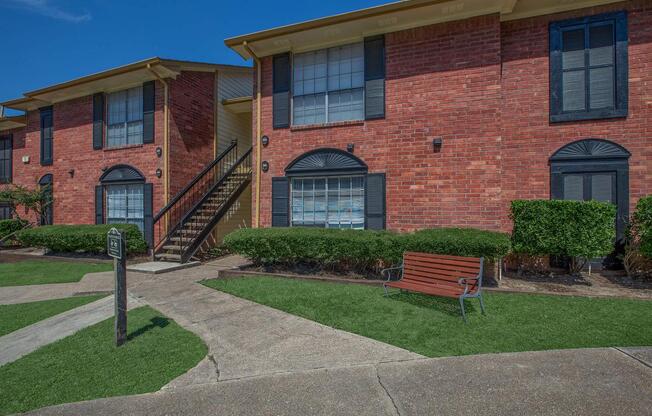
x=481, y=303
x=462, y=306
x=385, y=287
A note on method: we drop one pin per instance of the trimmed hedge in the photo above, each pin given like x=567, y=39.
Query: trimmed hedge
x=642, y=225
x=80, y=238
x=358, y=250
x=578, y=229
x=10, y=226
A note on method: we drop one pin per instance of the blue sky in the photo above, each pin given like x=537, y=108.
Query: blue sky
x=50, y=41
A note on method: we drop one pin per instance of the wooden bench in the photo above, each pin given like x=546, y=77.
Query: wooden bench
x=438, y=275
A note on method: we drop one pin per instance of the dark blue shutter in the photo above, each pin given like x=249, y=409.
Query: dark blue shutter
x=6, y=159
x=148, y=214
x=149, y=103
x=98, y=120
x=99, y=205
x=46, y=136
x=375, y=201
x=374, y=75
x=280, y=202
x=281, y=90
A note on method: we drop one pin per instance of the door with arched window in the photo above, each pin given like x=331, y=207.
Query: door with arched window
x=46, y=184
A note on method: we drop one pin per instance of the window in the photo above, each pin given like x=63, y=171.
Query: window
x=588, y=64
x=331, y=202
x=328, y=85
x=6, y=153
x=5, y=211
x=125, y=118
x=124, y=205
x=46, y=136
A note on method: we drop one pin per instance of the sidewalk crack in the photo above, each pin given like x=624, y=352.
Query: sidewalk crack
x=396, y=411
x=212, y=359
x=633, y=357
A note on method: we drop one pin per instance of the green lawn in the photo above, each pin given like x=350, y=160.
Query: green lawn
x=87, y=365
x=432, y=326
x=13, y=317
x=36, y=272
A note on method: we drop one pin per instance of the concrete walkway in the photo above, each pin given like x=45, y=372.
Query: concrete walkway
x=25, y=340
x=592, y=382
x=102, y=282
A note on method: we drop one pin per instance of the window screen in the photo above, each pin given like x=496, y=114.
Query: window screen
x=125, y=117
x=124, y=205
x=332, y=202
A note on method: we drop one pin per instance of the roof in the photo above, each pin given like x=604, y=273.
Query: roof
x=12, y=122
x=112, y=79
x=354, y=26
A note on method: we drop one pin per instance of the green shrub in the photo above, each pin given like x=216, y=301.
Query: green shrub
x=577, y=229
x=80, y=238
x=11, y=226
x=641, y=225
x=358, y=250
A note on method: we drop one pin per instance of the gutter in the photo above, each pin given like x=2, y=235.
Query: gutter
x=256, y=222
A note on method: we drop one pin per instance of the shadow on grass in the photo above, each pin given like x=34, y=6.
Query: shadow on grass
x=445, y=305
x=156, y=322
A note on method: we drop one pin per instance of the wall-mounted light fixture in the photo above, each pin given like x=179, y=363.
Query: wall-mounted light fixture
x=159, y=152
x=350, y=147
x=264, y=140
x=71, y=172
x=159, y=173
x=265, y=166
x=437, y=142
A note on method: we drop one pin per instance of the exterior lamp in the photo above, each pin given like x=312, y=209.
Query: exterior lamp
x=265, y=166
x=436, y=144
x=264, y=140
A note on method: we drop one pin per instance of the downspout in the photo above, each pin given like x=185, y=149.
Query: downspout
x=166, y=144
x=256, y=222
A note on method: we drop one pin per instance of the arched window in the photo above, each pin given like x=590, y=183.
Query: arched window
x=328, y=188
x=592, y=169
x=47, y=214
x=123, y=197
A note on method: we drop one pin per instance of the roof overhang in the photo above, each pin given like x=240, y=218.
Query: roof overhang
x=12, y=122
x=392, y=17
x=238, y=105
x=111, y=80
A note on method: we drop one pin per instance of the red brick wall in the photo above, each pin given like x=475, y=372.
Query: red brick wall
x=442, y=81
x=191, y=126
x=529, y=139
x=191, y=147
x=482, y=86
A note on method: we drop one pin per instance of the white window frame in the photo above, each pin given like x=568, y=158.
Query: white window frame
x=126, y=122
x=326, y=178
x=327, y=92
x=124, y=220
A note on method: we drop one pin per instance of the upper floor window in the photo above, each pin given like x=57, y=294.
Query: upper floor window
x=125, y=117
x=328, y=85
x=47, y=132
x=588, y=68
x=6, y=153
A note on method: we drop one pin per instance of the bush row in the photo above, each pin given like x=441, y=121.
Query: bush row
x=11, y=226
x=80, y=238
x=641, y=226
x=359, y=250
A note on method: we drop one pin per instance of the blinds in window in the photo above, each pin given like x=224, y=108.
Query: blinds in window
x=125, y=117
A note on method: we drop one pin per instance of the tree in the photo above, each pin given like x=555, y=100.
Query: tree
x=36, y=200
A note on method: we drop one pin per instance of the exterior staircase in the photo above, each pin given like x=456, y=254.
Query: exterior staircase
x=184, y=224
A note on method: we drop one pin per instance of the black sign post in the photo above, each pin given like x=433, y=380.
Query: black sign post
x=116, y=249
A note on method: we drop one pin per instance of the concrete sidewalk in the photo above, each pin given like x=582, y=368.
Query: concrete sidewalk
x=30, y=338
x=592, y=382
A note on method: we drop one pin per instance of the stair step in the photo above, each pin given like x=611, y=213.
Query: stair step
x=172, y=248
x=166, y=256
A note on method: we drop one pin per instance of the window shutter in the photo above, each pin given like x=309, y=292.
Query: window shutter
x=374, y=76
x=375, y=202
x=6, y=159
x=148, y=112
x=281, y=90
x=147, y=214
x=98, y=120
x=99, y=205
x=46, y=136
x=280, y=202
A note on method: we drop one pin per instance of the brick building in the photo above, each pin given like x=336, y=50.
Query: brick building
x=117, y=146
x=435, y=113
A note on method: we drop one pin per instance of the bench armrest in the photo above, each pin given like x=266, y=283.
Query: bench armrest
x=465, y=281
x=388, y=272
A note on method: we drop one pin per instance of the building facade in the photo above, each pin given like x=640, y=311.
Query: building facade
x=425, y=114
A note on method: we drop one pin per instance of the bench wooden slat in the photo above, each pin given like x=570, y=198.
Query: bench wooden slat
x=428, y=277
x=441, y=270
x=474, y=265
x=440, y=257
x=428, y=289
x=427, y=281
